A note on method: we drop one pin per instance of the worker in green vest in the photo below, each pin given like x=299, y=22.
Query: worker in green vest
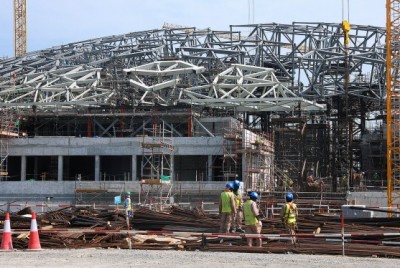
x=289, y=215
x=227, y=208
x=237, y=221
x=252, y=222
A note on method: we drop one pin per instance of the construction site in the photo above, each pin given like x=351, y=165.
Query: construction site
x=173, y=114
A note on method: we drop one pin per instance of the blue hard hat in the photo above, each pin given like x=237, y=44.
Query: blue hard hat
x=236, y=183
x=229, y=185
x=253, y=196
x=289, y=197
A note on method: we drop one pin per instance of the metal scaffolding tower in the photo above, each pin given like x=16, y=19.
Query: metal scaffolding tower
x=156, y=165
x=9, y=128
x=232, y=150
x=248, y=156
x=259, y=162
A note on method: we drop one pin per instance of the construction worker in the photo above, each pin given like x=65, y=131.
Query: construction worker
x=227, y=208
x=128, y=204
x=251, y=219
x=289, y=214
x=237, y=221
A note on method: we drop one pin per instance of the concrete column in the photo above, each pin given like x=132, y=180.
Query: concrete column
x=209, y=168
x=134, y=168
x=60, y=168
x=23, y=168
x=97, y=167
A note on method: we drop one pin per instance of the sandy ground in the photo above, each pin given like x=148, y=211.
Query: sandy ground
x=143, y=258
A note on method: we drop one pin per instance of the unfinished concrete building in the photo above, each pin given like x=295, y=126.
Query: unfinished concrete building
x=284, y=106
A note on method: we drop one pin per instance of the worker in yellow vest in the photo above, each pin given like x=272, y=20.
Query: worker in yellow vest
x=289, y=215
x=128, y=204
x=251, y=219
x=237, y=221
x=227, y=208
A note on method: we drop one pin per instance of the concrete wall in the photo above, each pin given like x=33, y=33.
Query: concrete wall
x=98, y=147
x=369, y=199
x=108, y=146
x=68, y=187
x=376, y=199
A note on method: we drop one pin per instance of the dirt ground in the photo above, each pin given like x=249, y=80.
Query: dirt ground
x=144, y=258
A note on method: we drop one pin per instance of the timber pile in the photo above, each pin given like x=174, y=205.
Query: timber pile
x=183, y=229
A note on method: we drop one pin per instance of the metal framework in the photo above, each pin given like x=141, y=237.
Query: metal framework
x=276, y=71
x=258, y=157
x=9, y=128
x=20, y=40
x=157, y=164
x=393, y=102
x=158, y=152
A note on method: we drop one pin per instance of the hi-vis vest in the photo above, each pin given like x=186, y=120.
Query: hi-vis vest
x=238, y=198
x=226, y=202
x=128, y=204
x=249, y=217
x=290, y=213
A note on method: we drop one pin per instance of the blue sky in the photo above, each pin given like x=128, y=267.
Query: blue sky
x=55, y=22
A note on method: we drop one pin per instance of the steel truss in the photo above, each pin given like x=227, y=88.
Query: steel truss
x=255, y=72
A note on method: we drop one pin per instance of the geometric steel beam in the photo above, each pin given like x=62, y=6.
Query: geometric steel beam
x=307, y=59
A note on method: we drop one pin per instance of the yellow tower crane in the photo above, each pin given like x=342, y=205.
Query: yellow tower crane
x=393, y=102
x=19, y=28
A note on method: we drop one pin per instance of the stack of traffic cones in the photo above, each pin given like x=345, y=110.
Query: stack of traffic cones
x=6, y=241
x=34, y=242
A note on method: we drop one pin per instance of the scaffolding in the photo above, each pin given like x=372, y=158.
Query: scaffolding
x=156, y=166
x=9, y=128
x=248, y=156
x=302, y=154
x=288, y=138
x=258, y=160
x=232, y=145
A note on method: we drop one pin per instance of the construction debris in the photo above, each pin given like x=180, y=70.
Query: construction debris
x=184, y=229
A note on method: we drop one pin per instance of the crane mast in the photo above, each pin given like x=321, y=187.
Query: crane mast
x=19, y=27
x=393, y=101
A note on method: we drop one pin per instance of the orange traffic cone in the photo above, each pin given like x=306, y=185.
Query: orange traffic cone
x=6, y=241
x=34, y=242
